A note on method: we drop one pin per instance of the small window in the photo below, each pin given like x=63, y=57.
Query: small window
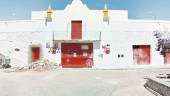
x=118, y=55
x=17, y=49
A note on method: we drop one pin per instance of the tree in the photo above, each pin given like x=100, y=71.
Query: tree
x=163, y=41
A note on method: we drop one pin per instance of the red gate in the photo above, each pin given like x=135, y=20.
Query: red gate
x=77, y=55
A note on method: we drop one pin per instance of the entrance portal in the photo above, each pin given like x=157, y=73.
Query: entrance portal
x=35, y=53
x=77, y=55
x=141, y=54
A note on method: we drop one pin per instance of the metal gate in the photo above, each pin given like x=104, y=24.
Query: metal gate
x=77, y=55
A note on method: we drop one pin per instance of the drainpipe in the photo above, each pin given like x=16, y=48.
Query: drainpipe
x=100, y=38
x=53, y=39
x=67, y=29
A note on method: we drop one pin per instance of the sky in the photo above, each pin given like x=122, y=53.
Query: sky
x=138, y=9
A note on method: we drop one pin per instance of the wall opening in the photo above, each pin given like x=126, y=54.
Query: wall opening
x=77, y=55
x=35, y=51
x=76, y=29
x=141, y=54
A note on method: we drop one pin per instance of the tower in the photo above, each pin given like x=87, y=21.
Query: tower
x=49, y=11
x=105, y=11
x=49, y=14
x=105, y=14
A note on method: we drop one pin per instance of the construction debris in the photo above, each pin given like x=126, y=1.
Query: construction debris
x=41, y=65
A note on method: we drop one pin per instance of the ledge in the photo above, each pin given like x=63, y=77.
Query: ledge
x=158, y=86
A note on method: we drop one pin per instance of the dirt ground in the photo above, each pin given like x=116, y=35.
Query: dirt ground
x=77, y=82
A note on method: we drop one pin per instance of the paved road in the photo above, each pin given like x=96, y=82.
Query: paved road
x=76, y=83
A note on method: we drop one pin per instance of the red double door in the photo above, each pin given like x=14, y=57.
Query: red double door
x=77, y=55
x=141, y=54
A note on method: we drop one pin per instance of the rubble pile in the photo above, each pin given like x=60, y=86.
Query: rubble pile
x=41, y=65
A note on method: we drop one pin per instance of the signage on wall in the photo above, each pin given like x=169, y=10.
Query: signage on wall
x=106, y=48
x=53, y=49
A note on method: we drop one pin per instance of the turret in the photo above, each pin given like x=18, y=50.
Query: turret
x=49, y=14
x=106, y=14
x=105, y=11
x=49, y=11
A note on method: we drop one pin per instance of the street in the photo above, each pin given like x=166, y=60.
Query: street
x=77, y=82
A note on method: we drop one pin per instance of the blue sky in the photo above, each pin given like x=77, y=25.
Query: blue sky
x=138, y=9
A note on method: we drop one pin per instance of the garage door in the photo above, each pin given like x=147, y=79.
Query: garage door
x=141, y=54
x=77, y=55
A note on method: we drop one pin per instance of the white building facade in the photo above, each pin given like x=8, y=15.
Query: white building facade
x=78, y=37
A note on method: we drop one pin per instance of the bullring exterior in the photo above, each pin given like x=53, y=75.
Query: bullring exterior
x=79, y=37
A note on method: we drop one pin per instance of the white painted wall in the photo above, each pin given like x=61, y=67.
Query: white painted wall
x=121, y=33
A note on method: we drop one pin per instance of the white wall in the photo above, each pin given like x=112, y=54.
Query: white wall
x=120, y=33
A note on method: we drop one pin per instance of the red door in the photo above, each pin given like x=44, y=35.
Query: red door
x=76, y=55
x=141, y=54
x=35, y=54
x=167, y=58
x=76, y=29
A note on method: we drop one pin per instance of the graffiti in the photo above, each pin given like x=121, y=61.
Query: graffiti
x=54, y=49
x=106, y=48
